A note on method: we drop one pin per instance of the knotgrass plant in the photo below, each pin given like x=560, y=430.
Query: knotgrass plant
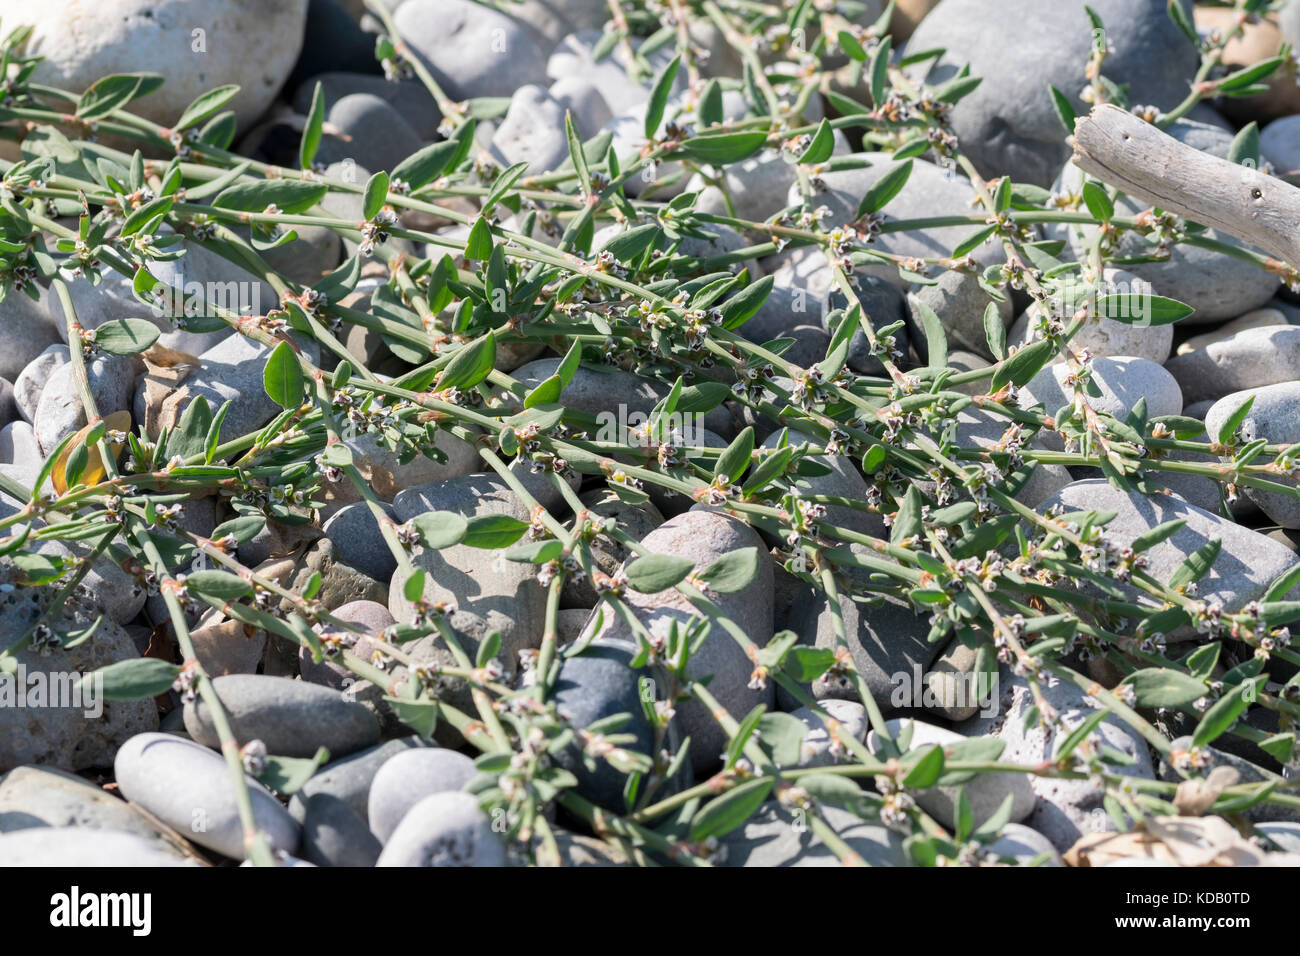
x=995, y=573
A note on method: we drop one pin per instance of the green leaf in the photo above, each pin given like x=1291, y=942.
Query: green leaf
x=732, y=572
x=375, y=195
x=879, y=70
x=413, y=589
x=425, y=165
x=290, y=196
x=1164, y=687
x=546, y=393
x=204, y=105
x=471, y=364
x=493, y=531
x=312, y=131
x=782, y=735
x=219, y=585
x=734, y=461
x=112, y=93
x=723, y=814
x=440, y=529
x=973, y=241
x=125, y=336
x=287, y=775
x=995, y=331
x=1184, y=23
x=1245, y=146
x=1161, y=532
x=1230, y=425
x=936, y=340
x=652, y=573
x=576, y=155
x=742, y=306
x=488, y=650
x=927, y=767
x=851, y=47
x=1223, y=713
x=503, y=183
x=630, y=245
x=1249, y=75
x=710, y=109
x=885, y=189
x=1098, y=203
x=1064, y=110
x=136, y=679
x=536, y=552
x=1142, y=309
x=569, y=364
x=76, y=464
x=1023, y=365
x=654, y=111
x=821, y=147
x=282, y=377
x=1197, y=564
x=479, y=244
x=150, y=210
x=719, y=149
x=907, y=522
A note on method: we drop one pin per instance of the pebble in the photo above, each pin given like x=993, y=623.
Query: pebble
x=774, y=837
x=1249, y=773
x=986, y=792
x=503, y=595
x=409, y=97
x=1121, y=380
x=31, y=379
x=1275, y=415
x=78, y=847
x=69, y=737
x=598, y=683
x=292, y=718
x=333, y=40
x=1256, y=319
x=228, y=647
x=960, y=302
x=885, y=640
x=1279, y=143
x=1244, y=360
x=251, y=45
x=1065, y=809
x=349, y=778
x=26, y=331
x=1008, y=125
x=883, y=304
x=930, y=191
x=1247, y=565
x=48, y=797
x=704, y=536
x=60, y=411
x=340, y=583
x=188, y=787
x=445, y=829
x=333, y=834
x=1022, y=845
x=470, y=49
x=532, y=132
x=358, y=542
x=371, y=133
x=408, y=777
x=818, y=749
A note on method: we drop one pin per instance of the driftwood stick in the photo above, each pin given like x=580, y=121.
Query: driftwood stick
x=1147, y=164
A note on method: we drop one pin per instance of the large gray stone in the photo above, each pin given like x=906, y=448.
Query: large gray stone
x=470, y=49
x=291, y=717
x=77, y=847
x=189, y=788
x=1008, y=124
x=408, y=777
x=1122, y=382
x=445, y=829
x=334, y=835
x=775, y=837
x=532, y=132
x=1066, y=809
x=350, y=778
x=986, y=792
x=1274, y=415
x=371, y=132
x=1248, y=359
x=704, y=536
x=26, y=330
x=84, y=730
x=61, y=412
x=1246, y=566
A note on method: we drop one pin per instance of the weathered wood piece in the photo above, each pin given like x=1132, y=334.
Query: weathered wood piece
x=1148, y=164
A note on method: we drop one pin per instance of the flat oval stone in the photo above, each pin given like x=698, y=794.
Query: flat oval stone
x=445, y=829
x=292, y=718
x=80, y=847
x=407, y=778
x=188, y=787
